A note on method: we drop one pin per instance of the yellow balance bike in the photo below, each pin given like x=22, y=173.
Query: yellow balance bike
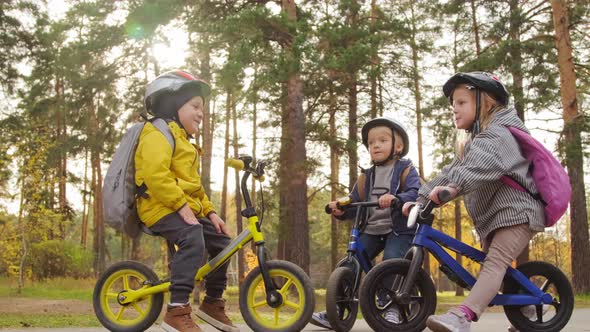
x=275, y=296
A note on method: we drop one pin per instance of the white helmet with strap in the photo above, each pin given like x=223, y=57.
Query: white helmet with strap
x=170, y=83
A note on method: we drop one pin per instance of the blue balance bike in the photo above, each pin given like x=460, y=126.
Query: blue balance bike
x=343, y=284
x=536, y=296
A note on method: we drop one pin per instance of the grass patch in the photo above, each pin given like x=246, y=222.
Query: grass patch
x=47, y=320
x=582, y=301
x=56, y=289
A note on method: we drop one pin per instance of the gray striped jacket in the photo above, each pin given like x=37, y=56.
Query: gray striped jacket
x=490, y=203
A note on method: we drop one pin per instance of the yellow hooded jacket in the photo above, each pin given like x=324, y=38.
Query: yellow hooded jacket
x=172, y=180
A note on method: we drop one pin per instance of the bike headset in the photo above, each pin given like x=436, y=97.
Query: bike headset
x=480, y=81
x=167, y=93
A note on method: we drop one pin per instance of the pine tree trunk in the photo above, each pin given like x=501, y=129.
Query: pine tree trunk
x=62, y=166
x=136, y=247
x=23, y=233
x=228, y=105
x=418, y=103
x=475, y=27
x=374, y=63
x=334, y=177
x=99, y=229
x=515, y=52
x=573, y=124
x=241, y=261
x=254, y=130
x=295, y=163
x=204, y=52
x=381, y=104
x=253, y=196
x=353, y=159
x=85, y=204
x=283, y=226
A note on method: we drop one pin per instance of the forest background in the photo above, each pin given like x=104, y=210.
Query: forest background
x=293, y=83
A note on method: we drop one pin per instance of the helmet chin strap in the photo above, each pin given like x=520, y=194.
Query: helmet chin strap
x=475, y=128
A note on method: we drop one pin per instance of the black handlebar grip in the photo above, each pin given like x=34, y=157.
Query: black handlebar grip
x=444, y=196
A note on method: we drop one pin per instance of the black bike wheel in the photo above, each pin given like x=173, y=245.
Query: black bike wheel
x=136, y=316
x=295, y=288
x=543, y=318
x=341, y=302
x=377, y=297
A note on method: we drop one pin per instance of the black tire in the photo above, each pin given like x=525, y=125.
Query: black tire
x=341, y=299
x=551, y=280
x=377, y=285
x=298, y=296
x=136, y=316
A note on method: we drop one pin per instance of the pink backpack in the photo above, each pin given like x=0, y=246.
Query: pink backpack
x=550, y=178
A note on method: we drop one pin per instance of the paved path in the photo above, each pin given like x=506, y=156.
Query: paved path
x=491, y=322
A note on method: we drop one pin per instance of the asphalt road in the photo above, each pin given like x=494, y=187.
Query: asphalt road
x=490, y=322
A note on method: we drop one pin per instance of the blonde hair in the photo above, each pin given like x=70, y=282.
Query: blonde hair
x=488, y=109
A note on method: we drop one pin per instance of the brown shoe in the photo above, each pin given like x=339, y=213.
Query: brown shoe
x=212, y=311
x=178, y=319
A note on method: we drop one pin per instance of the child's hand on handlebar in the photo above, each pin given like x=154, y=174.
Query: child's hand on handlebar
x=386, y=200
x=433, y=196
x=406, y=208
x=335, y=210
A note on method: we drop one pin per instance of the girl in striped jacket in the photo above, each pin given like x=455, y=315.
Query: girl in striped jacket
x=505, y=219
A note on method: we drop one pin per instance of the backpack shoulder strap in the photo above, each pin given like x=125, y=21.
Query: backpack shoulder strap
x=162, y=126
x=404, y=176
x=360, y=185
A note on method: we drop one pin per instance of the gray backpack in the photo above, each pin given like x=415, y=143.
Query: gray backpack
x=119, y=191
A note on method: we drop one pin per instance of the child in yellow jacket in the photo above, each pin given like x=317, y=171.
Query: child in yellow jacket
x=174, y=203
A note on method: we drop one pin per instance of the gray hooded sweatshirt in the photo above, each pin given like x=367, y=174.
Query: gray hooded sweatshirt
x=490, y=203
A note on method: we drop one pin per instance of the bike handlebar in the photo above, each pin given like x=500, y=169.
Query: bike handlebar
x=243, y=163
x=347, y=206
x=422, y=212
x=235, y=163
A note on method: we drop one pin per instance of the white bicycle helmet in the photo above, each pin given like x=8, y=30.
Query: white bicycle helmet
x=173, y=82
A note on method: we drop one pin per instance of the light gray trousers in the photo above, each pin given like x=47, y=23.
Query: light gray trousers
x=502, y=247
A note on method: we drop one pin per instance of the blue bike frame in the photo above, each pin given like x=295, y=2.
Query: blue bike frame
x=434, y=241
x=357, y=258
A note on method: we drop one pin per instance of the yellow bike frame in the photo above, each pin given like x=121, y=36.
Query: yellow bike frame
x=251, y=232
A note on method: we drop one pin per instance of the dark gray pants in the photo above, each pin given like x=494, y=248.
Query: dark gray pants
x=192, y=240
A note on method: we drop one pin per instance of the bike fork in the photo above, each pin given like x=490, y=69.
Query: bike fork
x=273, y=297
x=402, y=294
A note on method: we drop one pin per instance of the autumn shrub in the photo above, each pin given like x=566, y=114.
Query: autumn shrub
x=57, y=258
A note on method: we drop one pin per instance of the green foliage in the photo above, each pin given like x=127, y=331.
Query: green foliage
x=10, y=254
x=56, y=258
x=15, y=40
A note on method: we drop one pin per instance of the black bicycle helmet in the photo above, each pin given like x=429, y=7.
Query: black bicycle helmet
x=387, y=122
x=176, y=82
x=481, y=81
x=484, y=81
